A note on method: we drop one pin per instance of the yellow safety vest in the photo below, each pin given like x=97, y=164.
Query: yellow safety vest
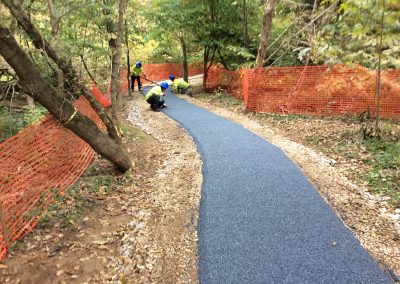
x=179, y=83
x=137, y=71
x=156, y=90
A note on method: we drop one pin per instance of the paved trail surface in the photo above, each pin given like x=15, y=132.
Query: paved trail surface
x=260, y=219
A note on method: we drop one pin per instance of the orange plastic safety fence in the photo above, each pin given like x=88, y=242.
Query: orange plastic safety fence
x=314, y=90
x=38, y=163
x=104, y=99
x=393, y=75
x=231, y=81
x=158, y=72
x=155, y=73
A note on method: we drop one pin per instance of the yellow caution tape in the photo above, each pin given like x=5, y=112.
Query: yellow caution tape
x=71, y=117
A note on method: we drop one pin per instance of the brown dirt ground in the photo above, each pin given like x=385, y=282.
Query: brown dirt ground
x=134, y=228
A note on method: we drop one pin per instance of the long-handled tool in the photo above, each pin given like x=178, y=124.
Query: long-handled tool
x=150, y=80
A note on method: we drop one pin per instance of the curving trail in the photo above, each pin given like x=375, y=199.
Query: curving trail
x=260, y=219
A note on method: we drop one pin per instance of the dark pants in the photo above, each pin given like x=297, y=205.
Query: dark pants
x=184, y=91
x=155, y=102
x=133, y=78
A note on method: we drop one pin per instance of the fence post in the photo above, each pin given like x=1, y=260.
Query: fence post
x=245, y=88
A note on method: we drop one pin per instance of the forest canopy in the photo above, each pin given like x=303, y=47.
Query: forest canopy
x=302, y=32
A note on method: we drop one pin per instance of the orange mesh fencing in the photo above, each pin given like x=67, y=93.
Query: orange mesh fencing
x=45, y=158
x=219, y=77
x=37, y=164
x=159, y=72
x=314, y=90
x=393, y=75
x=104, y=99
x=155, y=72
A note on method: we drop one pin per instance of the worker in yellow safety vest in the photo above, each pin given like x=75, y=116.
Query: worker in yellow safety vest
x=155, y=96
x=180, y=86
x=135, y=75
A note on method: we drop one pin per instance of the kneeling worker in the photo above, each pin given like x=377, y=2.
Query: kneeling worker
x=180, y=86
x=155, y=96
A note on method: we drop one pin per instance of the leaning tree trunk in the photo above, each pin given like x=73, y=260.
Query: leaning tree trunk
x=71, y=78
x=266, y=27
x=62, y=109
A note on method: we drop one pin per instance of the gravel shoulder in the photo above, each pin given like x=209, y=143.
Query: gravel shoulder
x=366, y=215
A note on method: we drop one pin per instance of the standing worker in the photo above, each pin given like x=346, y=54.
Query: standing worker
x=180, y=86
x=155, y=96
x=136, y=71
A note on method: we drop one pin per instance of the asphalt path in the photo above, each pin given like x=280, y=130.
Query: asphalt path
x=260, y=219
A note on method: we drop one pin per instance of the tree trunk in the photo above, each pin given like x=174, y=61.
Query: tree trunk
x=245, y=25
x=205, y=69
x=62, y=109
x=53, y=18
x=128, y=60
x=185, y=61
x=65, y=65
x=116, y=58
x=266, y=27
x=205, y=62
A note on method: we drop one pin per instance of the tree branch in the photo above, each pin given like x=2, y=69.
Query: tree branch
x=57, y=105
x=222, y=60
x=87, y=70
x=72, y=79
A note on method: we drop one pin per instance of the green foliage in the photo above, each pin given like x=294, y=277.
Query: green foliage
x=384, y=175
x=203, y=25
x=10, y=124
x=156, y=28
x=353, y=36
x=33, y=114
x=382, y=155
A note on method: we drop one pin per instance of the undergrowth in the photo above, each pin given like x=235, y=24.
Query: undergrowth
x=14, y=119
